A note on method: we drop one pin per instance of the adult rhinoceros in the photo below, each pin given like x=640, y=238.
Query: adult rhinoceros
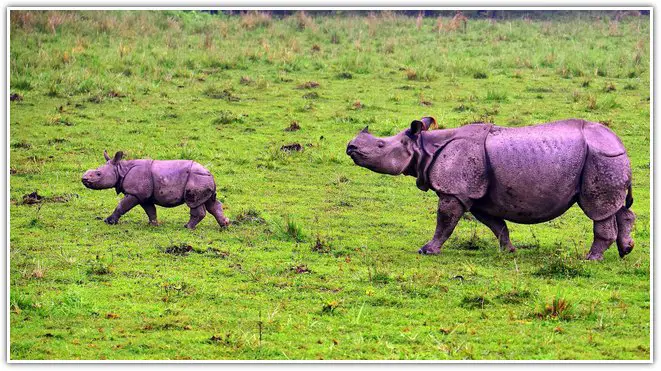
x=527, y=175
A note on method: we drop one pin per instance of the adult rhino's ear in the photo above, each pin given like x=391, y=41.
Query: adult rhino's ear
x=366, y=130
x=430, y=123
x=105, y=155
x=118, y=157
x=417, y=126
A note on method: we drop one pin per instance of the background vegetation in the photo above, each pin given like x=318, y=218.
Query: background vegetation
x=320, y=261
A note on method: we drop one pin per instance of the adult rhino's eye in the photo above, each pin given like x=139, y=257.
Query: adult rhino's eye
x=380, y=144
x=98, y=173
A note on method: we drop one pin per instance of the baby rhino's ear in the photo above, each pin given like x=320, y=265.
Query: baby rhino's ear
x=417, y=126
x=105, y=155
x=118, y=157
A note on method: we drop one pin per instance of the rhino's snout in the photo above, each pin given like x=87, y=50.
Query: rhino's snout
x=351, y=149
x=90, y=178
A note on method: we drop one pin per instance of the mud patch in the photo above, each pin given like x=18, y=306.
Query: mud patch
x=36, y=198
x=294, y=147
x=225, y=94
x=21, y=145
x=15, y=97
x=301, y=269
x=32, y=198
x=57, y=141
x=218, y=253
x=293, y=126
x=179, y=250
x=311, y=95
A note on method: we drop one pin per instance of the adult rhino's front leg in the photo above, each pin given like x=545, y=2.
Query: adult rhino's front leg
x=126, y=204
x=449, y=213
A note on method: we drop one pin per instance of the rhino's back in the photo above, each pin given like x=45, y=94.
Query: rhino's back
x=170, y=177
x=534, y=171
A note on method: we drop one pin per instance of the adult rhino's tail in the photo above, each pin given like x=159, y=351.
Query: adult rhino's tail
x=625, y=219
x=629, y=200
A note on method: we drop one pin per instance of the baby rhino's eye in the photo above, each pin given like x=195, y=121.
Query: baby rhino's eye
x=98, y=173
x=380, y=144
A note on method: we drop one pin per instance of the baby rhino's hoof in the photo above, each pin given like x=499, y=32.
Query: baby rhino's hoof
x=188, y=226
x=154, y=223
x=225, y=222
x=110, y=220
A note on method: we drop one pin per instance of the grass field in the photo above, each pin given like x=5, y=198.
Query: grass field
x=320, y=261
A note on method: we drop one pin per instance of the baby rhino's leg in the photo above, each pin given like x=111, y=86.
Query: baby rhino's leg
x=216, y=209
x=196, y=215
x=126, y=204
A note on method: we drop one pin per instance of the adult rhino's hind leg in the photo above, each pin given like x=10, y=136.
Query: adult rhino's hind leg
x=605, y=233
x=196, y=215
x=625, y=219
x=216, y=209
x=498, y=227
x=449, y=213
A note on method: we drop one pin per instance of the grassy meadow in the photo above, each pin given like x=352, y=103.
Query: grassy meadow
x=320, y=261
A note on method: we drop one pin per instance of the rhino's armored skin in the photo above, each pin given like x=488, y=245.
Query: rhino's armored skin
x=526, y=175
x=167, y=183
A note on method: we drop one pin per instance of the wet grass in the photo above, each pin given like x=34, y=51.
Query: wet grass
x=320, y=260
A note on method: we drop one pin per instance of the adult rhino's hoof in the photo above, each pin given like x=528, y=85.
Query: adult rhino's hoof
x=596, y=257
x=429, y=250
x=225, y=223
x=188, y=226
x=110, y=221
x=154, y=223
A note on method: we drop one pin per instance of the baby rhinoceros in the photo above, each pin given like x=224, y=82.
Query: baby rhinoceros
x=526, y=175
x=167, y=183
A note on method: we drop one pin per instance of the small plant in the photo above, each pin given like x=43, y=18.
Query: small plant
x=249, y=216
x=562, y=267
x=246, y=80
x=321, y=246
x=411, y=74
x=558, y=308
x=293, y=230
x=98, y=266
x=227, y=117
x=38, y=272
x=592, y=102
x=474, y=301
x=514, y=296
x=610, y=86
x=496, y=96
x=480, y=75
x=330, y=307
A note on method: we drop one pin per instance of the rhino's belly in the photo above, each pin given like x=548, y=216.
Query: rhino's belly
x=528, y=211
x=170, y=179
x=534, y=172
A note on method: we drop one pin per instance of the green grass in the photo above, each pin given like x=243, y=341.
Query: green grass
x=320, y=262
